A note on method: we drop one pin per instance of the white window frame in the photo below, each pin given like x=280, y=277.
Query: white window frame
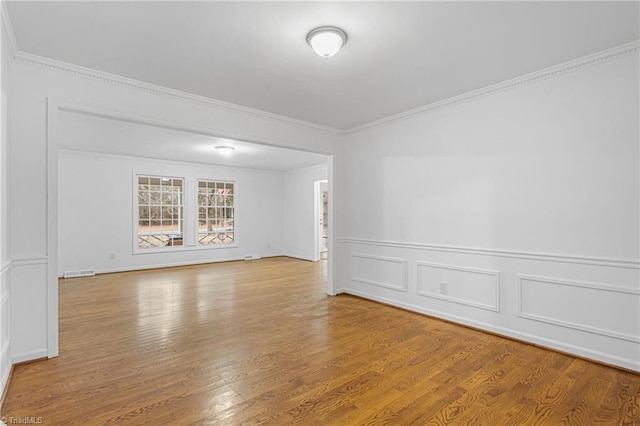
x=208, y=207
x=189, y=214
x=136, y=224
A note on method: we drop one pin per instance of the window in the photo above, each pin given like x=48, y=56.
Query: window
x=160, y=211
x=215, y=212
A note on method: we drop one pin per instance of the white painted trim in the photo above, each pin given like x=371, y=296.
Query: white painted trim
x=94, y=111
x=165, y=265
x=189, y=209
x=306, y=169
x=52, y=227
x=317, y=215
x=29, y=356
x=54, y=107
x=545, y=257
x=568, y=324
x=161, y=161
x=332, y=186
x=554, y=71
x=28, y=261
x=237, y=215
x=175, y=264
x=129, y=83
x=108, y=78
x=6, y=367
x=596, y=286
x=403, y=276
x=295, y=256
x=525, y=337
x=494, y=274
x=6, y=267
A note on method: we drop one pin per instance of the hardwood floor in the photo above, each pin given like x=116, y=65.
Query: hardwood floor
x=260, y=343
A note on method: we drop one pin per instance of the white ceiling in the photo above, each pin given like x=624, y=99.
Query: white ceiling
x=90, y=133
x=400, y=55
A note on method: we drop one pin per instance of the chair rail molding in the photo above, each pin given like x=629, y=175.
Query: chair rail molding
x=545, y=257
x=28, y=261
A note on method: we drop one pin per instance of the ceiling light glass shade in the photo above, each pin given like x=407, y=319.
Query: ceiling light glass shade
x=225, y=149
x=326, y=41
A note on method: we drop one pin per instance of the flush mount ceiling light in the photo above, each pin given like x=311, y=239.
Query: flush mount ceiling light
x=326, y=41
x=225, y=149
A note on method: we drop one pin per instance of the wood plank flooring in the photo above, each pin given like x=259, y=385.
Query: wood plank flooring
x=260, y=343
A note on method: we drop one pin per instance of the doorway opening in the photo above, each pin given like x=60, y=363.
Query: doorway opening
x=321, y=223
x=67, y=124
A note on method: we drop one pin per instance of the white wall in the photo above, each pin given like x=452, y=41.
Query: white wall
x=529, y=196
x=36, y=86
x=525, y=202
x=96, y=212
x=299, y=211
x=5, y=255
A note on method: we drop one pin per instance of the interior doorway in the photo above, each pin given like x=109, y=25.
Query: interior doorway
x=321, y=222
x=63, y=122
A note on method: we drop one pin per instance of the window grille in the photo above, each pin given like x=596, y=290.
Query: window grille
x=216, y=212
x=160, y=211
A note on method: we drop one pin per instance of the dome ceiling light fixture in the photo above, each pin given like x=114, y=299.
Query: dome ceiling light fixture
x=225, y=149
x=326, y=41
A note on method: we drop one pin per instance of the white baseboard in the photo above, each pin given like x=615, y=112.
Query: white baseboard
x=524, y=337
x=295, y=256
x=172, y=264
x=29, y=356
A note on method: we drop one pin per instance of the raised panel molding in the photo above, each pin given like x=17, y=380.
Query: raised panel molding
x=612, y=301
x=606, y=316
x=5, y=341
x=460, y=272
x=391, y=269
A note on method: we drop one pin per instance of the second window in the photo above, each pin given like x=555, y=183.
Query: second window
x=215, y=212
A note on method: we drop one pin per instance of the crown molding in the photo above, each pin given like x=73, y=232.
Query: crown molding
x=113, y=79
x=108, y=78
x=6, y=21
x=554, y=71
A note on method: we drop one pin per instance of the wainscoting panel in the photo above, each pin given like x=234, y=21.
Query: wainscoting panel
x=595, y=308
x=381, y=271
x=591, y=308
x=28, y=309
x=5, y=338
x=467, y=286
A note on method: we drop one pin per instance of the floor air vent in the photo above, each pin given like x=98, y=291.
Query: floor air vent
x=74, y=274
